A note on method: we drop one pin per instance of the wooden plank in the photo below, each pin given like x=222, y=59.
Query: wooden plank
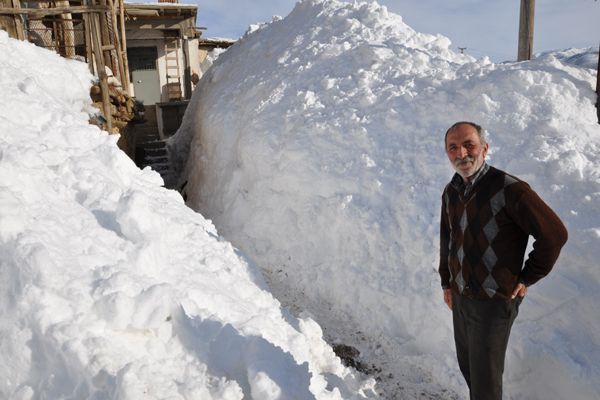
x=124, y=47
x=7, y=22
x=20, y=29
x=117, y=42
x=97, y=42
x=88, y=41
x=65, y=36
x=526, y=18
x=51, y=11
x=105, y=36
x=598, y=87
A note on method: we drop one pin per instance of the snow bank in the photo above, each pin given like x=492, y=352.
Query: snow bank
x=111, y=287
x=316, y=145
x=587, y=58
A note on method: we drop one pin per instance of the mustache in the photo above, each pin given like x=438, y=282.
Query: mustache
x=466, y=159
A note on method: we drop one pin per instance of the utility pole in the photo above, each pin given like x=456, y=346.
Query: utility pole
x=598, y=87
x=526, y=30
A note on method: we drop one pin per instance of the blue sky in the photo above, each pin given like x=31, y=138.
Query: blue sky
x=484, y=27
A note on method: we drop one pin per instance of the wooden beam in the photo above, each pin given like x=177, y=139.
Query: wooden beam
x=88, y=41
x=65, y=37
x=7, y=22
x=52, y=11
x=117, y=42
x=526, y=30
x=99, y=59
x=124, y=47
x=105, y=36
x=19, y=21
x=598, y=87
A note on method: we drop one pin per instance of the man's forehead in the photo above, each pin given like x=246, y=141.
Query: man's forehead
x=463, y=131
x=464, y=128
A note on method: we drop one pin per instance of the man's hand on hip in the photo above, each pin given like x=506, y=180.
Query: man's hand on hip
x=520, y=290
x=448, y=298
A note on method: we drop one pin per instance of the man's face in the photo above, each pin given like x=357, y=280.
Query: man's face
x=464, y=150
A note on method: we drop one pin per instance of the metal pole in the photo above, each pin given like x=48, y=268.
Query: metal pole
x=526, y=30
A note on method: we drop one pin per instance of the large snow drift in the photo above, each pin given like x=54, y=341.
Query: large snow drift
x=111, y=287
x=316, y=145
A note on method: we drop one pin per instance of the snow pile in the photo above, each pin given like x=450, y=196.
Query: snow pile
x=111, y=287
x=316, y=146
x=210, y=59
x=587, y=58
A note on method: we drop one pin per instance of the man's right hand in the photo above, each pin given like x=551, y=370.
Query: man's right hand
x=448, y=298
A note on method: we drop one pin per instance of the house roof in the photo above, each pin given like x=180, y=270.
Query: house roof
x=216, y=42
x=163, y=10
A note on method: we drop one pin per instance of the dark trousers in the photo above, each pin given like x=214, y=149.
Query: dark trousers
x=481, y=331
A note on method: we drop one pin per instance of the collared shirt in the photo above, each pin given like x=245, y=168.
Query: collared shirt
x=466, y=187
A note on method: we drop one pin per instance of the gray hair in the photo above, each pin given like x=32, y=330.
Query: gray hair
x=478, y=128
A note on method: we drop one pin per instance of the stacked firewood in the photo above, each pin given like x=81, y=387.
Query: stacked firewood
x=121, y=106
x=122, y=109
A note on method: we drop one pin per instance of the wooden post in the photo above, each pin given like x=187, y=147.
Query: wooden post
x=97, y=42
x=526, y=30
x=20, y=30
x=65, y=38
x=124, y=46
x=598, y=87
x=117, y=41
x=87, y=30
x=105, y=37
x=8, y=22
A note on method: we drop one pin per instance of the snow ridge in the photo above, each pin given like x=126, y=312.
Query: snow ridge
x=320, y=154
x=112, y=288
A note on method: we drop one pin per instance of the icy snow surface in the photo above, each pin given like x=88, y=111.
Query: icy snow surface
x=316, y=146
x=111, y=288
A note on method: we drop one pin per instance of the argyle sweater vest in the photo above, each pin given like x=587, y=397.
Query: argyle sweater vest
x=483, y=236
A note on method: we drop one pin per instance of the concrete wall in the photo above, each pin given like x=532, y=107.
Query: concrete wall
x=193, y=57
x=138, y=35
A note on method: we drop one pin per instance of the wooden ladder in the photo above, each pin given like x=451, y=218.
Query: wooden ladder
x=173, y=71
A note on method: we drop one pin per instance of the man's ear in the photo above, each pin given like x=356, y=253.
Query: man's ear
x=485, y=150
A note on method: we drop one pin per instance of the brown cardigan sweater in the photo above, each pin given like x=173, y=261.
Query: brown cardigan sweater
x=483, y=236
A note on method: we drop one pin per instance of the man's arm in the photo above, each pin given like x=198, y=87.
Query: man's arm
x=444, y=247
x=536, y=218
x=444, y=251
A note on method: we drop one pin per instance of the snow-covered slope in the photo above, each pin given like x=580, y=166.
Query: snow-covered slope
x=111, y=288
x=316, y=146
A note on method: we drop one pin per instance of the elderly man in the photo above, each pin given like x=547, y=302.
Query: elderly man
x=487, y=217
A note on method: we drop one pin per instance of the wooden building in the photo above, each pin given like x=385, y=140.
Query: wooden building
x=91, y=31
x=162, y=46
x=148, y=52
